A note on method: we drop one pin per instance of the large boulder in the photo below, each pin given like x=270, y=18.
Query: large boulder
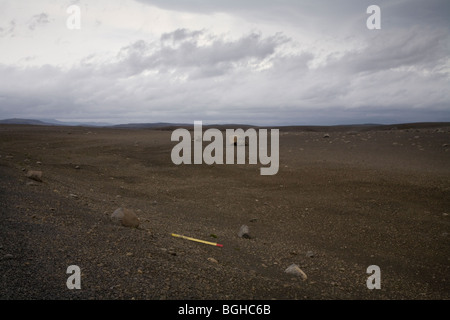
x=125, y=217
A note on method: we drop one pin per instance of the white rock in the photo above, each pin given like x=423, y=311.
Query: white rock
x=295, y=270
x=244, y=232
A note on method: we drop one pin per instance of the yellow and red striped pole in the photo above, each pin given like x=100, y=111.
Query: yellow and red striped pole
x=197, y=240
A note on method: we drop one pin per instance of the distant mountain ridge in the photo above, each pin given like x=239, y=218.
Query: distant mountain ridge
x=171, y=126
x=52, y=122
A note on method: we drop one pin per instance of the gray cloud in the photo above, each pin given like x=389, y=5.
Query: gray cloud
x=396, y=74
x=330, y=14
x=9, y=29
x=38, y=20
x=384, y=81
x=184, y=55
x=423, y=48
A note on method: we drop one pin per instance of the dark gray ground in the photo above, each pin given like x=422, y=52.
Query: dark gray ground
x=358, y=198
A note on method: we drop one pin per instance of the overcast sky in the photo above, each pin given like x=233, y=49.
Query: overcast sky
x=249, y=61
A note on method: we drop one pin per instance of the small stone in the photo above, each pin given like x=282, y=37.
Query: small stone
x=172, y=252
x=38, y=162
x=129, y=254
x=8, y=256
x=77, y=167
x=125, y=217
x=213, y=260
x=295, y=270
x=309, y=254
x=326, y=135
x=73, y=195
x=35, y=175
x=244, y=232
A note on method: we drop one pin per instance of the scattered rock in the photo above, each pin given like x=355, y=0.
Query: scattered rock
x=8, y=256
x=125, y=217
x=172, y=252
x=72, y=195
x=32, y=183
x=295, y=270
x=77, y=167
x=326, y=135
x=35, y=175
x=38, y=162
x=244, y=232
x=253, y=220
x=309, y=254
x=213, y=260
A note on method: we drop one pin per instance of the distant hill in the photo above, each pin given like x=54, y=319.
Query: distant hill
x=24, y=121
x=52, y=122
x=190, y=126
x=147, y=125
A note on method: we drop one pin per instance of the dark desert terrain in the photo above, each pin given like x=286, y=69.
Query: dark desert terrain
x=344, y=198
